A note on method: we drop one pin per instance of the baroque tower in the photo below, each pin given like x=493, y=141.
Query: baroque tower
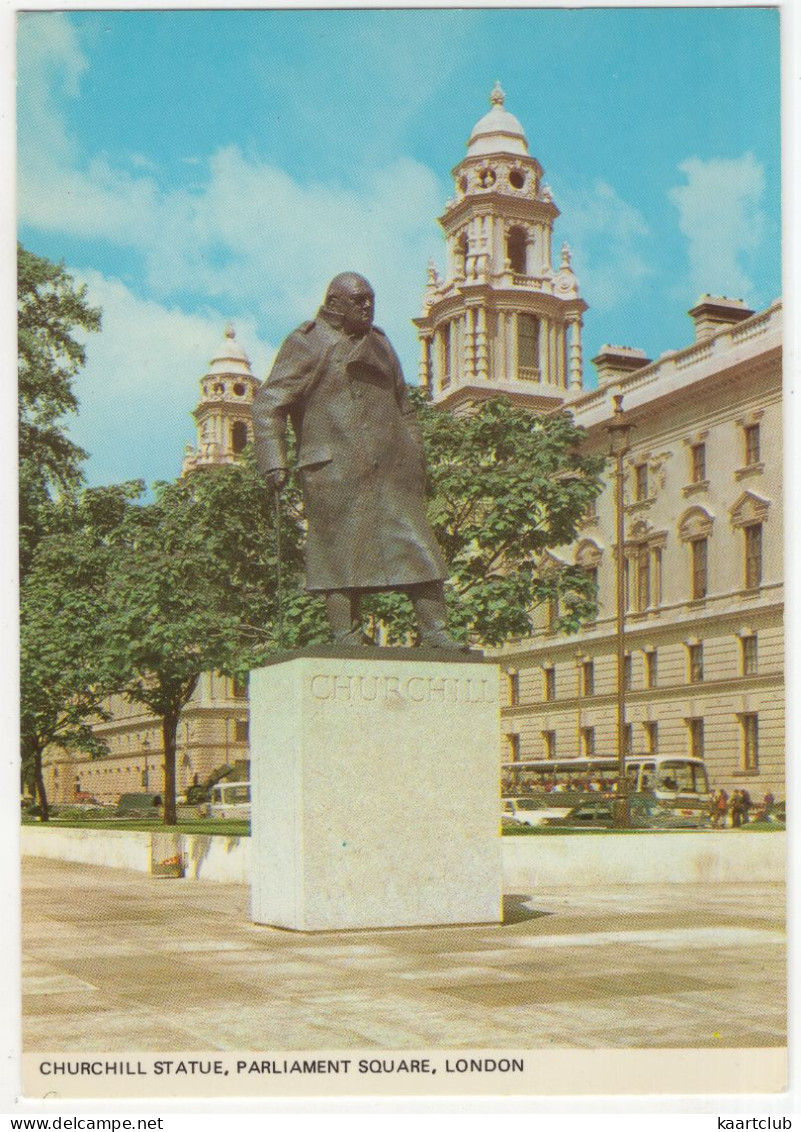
x=502, y=320
x=223, y=414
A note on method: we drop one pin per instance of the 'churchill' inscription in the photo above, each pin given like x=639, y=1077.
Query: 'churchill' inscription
x=414, y=689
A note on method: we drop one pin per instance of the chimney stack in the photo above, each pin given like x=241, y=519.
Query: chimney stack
x=712, y=312
x=614, y=362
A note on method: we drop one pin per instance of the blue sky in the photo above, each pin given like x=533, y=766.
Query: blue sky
x=198, y=166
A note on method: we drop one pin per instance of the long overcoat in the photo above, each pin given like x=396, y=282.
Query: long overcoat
x=360, y=457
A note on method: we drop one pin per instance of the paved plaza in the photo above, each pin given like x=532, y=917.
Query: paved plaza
x=115, y=960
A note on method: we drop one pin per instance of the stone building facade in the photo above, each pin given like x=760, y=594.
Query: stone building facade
x=703, y=503
x=223, y=415
x=502, y=319
x=703, y=567
x=213, y=733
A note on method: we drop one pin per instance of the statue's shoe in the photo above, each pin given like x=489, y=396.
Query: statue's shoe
x=439, y=639
x=354, y=639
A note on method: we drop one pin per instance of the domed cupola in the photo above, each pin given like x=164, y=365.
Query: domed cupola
x=223, y=414
x=501, y=319
x=498, y=131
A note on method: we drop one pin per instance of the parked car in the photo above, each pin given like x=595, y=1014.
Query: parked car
x=644, y=813
x=229, y=800
x=139, y=806
x=532, y=811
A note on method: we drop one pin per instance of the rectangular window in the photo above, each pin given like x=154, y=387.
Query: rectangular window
x=695, y=731
x=627, y=738
x=656, y=577
x=514, y=688
x=651, y=737
x=592, y=574
x=549, y=742
x=553, y=611
x=528, y=345
x=651, y=669
x=445, y=341
x=241, y=730
x=698, y=461
x=549, y=683
x=627, y=671
x=753, y=556
x=699, y=579
x=588, y=678
x=239, y=687
x=750, y=726
x=587, y=742
x=751, y=433
x=749, y=654
x=640, y=482
x=514, y=747
x=643, y=580
x=695, y=657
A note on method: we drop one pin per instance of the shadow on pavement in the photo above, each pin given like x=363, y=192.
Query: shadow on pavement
x=516, y=909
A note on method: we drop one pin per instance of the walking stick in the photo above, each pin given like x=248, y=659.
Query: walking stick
x=279, y=581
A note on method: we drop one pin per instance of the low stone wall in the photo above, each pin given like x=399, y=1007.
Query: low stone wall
x=529, y=862
x=206, y=857
x=709, y=857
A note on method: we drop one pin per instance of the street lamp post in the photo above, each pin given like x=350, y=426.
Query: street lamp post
x=619, y=431
x=145, y=775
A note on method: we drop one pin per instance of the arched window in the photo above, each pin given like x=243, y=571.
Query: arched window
x=516, y=242
x=239, y=436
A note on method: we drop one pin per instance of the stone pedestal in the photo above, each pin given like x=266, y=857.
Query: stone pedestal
x=375, y=791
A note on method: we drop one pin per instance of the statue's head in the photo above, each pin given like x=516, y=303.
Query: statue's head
x=351, y=297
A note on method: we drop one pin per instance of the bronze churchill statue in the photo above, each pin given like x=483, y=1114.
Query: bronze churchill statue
x=361, y=461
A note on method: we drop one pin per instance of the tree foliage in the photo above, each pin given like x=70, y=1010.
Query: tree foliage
x=506, y=487
x=192, y=588
x=62, y=610
x=50, y=308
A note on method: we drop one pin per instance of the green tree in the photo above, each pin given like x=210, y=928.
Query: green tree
x=62, y=609
x=50, y=308
x=193, y=588
x=506, y=486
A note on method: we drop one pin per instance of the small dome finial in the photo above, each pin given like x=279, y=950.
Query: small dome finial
x=229, y=330
x=566, y=255
x=497, y=98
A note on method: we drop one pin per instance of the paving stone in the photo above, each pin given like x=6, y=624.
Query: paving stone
x=137, y=963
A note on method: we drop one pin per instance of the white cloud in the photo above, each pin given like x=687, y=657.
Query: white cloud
x=607, y=237
x=721, y=216
x=253, y=238
x=140, y=382
x=245, y=239
x=50, y=64
x=246, y=235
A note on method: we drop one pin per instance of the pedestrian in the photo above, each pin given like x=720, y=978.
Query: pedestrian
x=736, y=808
x=745, y=804
x=721, y=808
